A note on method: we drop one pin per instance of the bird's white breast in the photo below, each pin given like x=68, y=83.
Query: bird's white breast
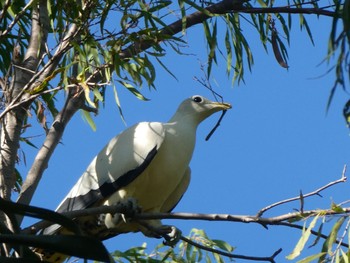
x=153, y=187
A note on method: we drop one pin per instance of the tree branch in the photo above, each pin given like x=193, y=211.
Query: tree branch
x=74, y=102
x=316, y=192
x=222, y=7
x=195, y=18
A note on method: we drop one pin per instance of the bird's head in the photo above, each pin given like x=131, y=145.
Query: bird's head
x=197, y=108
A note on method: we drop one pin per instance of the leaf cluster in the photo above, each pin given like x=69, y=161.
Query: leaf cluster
x=332, y=247
x=183, y=252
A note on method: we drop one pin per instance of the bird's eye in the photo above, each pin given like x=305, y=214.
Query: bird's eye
x=197, y=99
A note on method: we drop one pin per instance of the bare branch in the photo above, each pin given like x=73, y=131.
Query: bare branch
x=39, y=31
x=12, y=124
x=283, y=219
x=74, y=102
x=301, y=196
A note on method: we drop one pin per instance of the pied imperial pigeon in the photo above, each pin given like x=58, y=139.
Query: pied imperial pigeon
x=147, y=163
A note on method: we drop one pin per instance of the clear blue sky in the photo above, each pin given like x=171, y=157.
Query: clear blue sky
x=276, y=141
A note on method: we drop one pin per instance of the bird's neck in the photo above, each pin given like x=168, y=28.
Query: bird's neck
x=183, y=136
x=185, y=120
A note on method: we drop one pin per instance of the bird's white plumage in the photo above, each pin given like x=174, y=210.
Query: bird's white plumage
x=122, y=154
x=148, y=162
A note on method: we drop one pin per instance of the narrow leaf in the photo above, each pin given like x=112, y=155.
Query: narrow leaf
x=327, y=246
x=117, y=101
x=223, y=245
x=302, y=241
x=312, y=258
x=89, y=120
x=133, y=90
x=276, y=50
x=345, y=257
x=97, y=94
x=87, y=94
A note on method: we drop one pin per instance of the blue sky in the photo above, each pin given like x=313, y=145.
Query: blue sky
x=276, y=140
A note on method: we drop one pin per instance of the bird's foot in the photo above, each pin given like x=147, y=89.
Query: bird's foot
x=171, y=235
x=127, y=209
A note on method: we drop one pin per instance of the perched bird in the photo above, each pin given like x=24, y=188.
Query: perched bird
x=147, y=163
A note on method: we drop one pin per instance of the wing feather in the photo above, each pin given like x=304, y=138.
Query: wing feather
x=120, y=162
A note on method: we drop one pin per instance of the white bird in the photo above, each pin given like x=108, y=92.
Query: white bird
x=147, y=163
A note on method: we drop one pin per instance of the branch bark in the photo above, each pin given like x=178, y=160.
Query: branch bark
x=11, y=124
x=195, y=18
x=74, y=102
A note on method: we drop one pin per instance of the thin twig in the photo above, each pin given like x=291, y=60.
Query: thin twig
x=230, y=255
x=216, y=126
x=316, y=192
x=34, y=96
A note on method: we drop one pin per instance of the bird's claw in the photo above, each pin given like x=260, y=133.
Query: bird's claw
x=171, y=235
x=127, y=208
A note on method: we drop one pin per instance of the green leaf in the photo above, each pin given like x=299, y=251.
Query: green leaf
x=23, y=139
x=284, y=26
x=199, y=8
x=88, y=119
x=319, y=232
x=117, y=101
x=346, y=112
x=327, y=245
x=262, y=3
x=183, y=15
x=311, y=258
x=133, y=90
x=229, y=52
x=302, y=241
x=345, y=256
x=97, y=94
x=218, y=258
x=308, y=30
x=166, y=68
x=336, y=208
x=223, y=245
